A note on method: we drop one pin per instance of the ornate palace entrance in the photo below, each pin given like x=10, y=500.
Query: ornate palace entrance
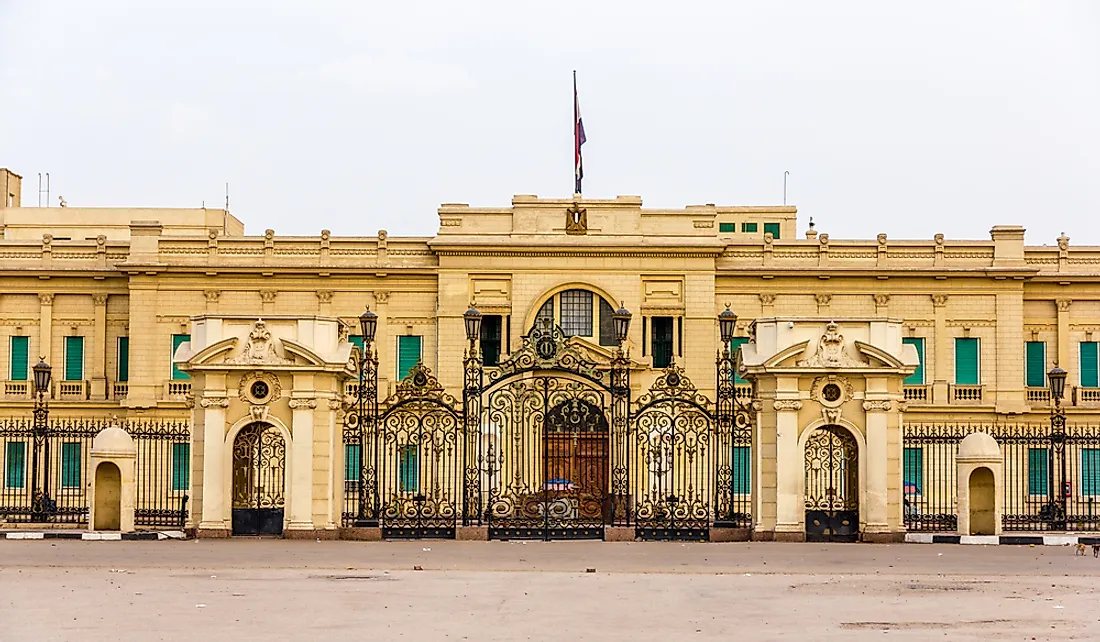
x=259, y=466
x=832, y=486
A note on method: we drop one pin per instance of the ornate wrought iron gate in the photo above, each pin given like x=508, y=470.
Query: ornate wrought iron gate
x=259, y=466
x=832, y=485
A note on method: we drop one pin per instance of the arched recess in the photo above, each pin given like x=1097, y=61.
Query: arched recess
x=983, y=498
x=838, y=529
x=108, y=497
x=603, y=304
x=227, y=459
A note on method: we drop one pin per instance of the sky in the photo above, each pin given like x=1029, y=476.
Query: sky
x=905, y=118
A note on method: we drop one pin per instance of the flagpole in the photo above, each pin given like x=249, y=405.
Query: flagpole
x=576, y=179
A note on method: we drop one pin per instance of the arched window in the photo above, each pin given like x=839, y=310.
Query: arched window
x=580, y=313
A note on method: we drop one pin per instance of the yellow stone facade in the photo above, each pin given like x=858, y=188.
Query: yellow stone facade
x=144, y=276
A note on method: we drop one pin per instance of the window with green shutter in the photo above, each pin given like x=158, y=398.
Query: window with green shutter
x=20, y=355
x=917, y=378
x=410, y=469
x=913, y=470
x=1036, y=471
x=70, y=465
x=727, y=227
x=1036, y=375
x=735, y=345
x=351, y=462
x=74, y=358
x=748, y=228
x=773, y=228
x=408, y=354
x=177, y=340
x=357, y=340
x=967, y=362
x=1090, y=471
x=15, y=464
x=742, y=470
x=123, y=371
x=1090, y=376
x=181, y=466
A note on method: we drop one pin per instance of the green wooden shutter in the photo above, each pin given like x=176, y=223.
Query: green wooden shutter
x=1036, y=364
x=742, y=470
x=917, y=378
x=178, y=339
x=1090, y=471
x=408, y=354
x=351, y=462
x=20, y=350
x=70, y=464
x=1036, y=471
x=748, y=227
x=966, y=362
x=736, y=343
x=15, y=464
x=181, y=466
x=913, y=471
x=74, y=358
x=773, y=228
x=357, y=340
x=727, y=227
x=1090, y=377
x=410, y=469
x=123, y=359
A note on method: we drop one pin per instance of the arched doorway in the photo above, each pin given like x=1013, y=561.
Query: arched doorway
x=108, y=497
x=259, y=466
x=982, y=498
x=832, y=486
x=576, y=450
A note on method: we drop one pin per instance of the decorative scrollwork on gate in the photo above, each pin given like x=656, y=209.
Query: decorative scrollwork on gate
x=832, y=470
x=259, y=463
x=546, y=347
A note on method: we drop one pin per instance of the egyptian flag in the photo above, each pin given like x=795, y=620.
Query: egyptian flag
x=578, y=137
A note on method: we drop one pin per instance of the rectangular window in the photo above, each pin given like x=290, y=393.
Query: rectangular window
x=1036, y=471
x=917, y=378
x=20, y=351
x=490, y=338
x=181, y=466
x=122, y=372
x=1090, y=471
x=742, y=470
x=178, y=339
x=15, y=464
x=1036, y=376
x=576, y=313
x=351, y=462
x=727, y=227
x=773, y=228
x=1090, y=374
x=357, y=341
x=661, y=341
x=748, y=228
x=70, y=464
x=74, y=358
x=607, y=324
x=410, y=469
x=408, y=354
x=735, y=350
x=967, y=362
x=912, y=471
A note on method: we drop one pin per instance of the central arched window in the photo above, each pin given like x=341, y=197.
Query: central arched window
x=580, y=313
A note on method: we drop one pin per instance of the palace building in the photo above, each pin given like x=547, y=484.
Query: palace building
x=557, y=368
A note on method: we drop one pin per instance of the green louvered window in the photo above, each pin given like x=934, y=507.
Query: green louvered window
x=742, y=470
x=357, y=340
x=181, y=466
x=123, y=373
x=917, y=378
x=408, y=354
x=735, y=345
x=1090, y=471
x=1036, y=471
x=177, y=340
x=913, y=470
x=748, y=228
x=967, y=362
x=727, y=227
x=20, y=355
x=70, y=464
x=1036, y=364
x=1090, y=374
x=351, y=462
x=15, y=464
x=410, y=469
x=74, y=358
x=773, y=228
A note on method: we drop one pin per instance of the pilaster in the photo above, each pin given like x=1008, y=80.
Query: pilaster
x=940, y=361
x=99, y=351
x=214, y=483
x=790, y=468
x=1011, y=391
x=45, y=330
x=875, y=498
x=1063, y=332
x=300, y=493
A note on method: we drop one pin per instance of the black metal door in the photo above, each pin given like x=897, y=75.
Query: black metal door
x=832, y=486
x=259, y=465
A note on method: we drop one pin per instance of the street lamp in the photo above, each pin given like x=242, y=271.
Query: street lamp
x=42, y=373
x=42, y=505
x=368, y=325
x=1056, y=379
x=1056, y=497
x=621, y=320
x=367, y=398
x=727, y=323
x=472, y=318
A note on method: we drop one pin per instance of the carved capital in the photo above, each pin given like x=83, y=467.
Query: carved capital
x=1063, y=304
x=214, y=402
x=212, y=296
x=879, y=405
x=882, y=300
x=303, y=404
x=823, y=299
x=45, y=299
x=324, y=296
x=381, y=296
x=787, y=405
x=268, y=296
x=335, y=404
x=767, y=299
x=939, y=300
x=99, y=299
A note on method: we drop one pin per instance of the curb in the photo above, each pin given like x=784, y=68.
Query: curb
x=91, y=536
x=1009, y=540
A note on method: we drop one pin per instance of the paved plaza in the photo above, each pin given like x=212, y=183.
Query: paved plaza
x=309, y=590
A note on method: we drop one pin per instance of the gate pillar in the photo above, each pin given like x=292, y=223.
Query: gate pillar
x=112, y=495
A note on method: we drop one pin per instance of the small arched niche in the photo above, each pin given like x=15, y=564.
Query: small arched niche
x=983, y=514
x=108, y=497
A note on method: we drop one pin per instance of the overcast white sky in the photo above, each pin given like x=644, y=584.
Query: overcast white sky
x=904, y=118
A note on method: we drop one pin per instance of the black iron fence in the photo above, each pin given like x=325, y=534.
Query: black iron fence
x=47, y=472
x=1051, y=476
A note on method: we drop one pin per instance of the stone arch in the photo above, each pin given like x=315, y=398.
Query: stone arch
x=983, y=497
x=861, y=461
x=540, y=300
x=108, y=497
x=227, y=458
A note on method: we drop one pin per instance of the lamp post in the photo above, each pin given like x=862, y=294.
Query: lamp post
x=42, y=506
x=726, y=413
x=622, y=455
x=1056, y=380
x=473, y=376
x=367, y=398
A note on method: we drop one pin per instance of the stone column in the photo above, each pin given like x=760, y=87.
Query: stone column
x=1063, y=333
x=940, y=362
x=790, y=472
x=214, y=483
x=100, y=351
x=300, y=490
x=875, y=500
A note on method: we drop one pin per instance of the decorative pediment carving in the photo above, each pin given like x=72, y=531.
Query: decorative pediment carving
x=420, y=384
x=673, y=384
x=576, y=220
x=260, y=348
x=830, y=352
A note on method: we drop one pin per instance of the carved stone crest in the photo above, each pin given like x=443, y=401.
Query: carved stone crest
x=260, y=347
x=576, y=220
x=830, y=351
